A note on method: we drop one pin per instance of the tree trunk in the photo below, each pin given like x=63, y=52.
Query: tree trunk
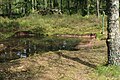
x=88, y=7
x=68, y=6
x=9, y=8
x=98, y=13
x=32, y=2
x=55, y=3
x=84, y=7
x=113, y=32
x=26, y=8
x=45, y=4
x=61, y=3
x=76, y=6
x=50, y=4
x=35, y=3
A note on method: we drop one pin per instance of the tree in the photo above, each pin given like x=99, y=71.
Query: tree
x=113, y=32
x=45, y=4
x=61, y=3
x=55, y=3
x=76, y=6
x=98, y=8
x=88, y=7
x=32, y=3
x=50, y=4
x=26, y=7
x=68, y=6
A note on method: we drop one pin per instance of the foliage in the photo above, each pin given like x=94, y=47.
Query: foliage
x=20, y=8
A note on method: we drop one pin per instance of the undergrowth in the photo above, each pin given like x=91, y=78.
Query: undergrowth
x=109, y=71
x=53, y=24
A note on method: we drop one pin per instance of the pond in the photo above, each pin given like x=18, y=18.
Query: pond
x=15, y=48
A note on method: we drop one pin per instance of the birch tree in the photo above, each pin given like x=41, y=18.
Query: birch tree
x=113, y=32
x=98, y=13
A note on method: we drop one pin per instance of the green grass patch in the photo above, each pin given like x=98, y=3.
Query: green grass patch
x=54, y=24
x=108, y=71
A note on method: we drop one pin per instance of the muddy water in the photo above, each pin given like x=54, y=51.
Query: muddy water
x=14, y=48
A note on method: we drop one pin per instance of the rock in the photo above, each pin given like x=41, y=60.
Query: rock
x=49, y=11
x=2, y=47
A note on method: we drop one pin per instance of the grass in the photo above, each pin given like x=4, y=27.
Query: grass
x=110, y=72
x=54, y=24
x=62, y=24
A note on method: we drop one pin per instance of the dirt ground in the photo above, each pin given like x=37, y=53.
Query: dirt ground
x=57, y=65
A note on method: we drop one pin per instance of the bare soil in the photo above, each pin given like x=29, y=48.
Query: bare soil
x=58, y=65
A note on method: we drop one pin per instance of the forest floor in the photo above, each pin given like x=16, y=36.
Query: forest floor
x=61, y=65
x=87, y=63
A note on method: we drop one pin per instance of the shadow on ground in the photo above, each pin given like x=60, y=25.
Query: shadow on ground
x=77, y=60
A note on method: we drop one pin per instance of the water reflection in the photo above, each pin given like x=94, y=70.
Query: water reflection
x=24, y=47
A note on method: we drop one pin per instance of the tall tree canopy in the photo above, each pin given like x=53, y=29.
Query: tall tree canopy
x=25, y=7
